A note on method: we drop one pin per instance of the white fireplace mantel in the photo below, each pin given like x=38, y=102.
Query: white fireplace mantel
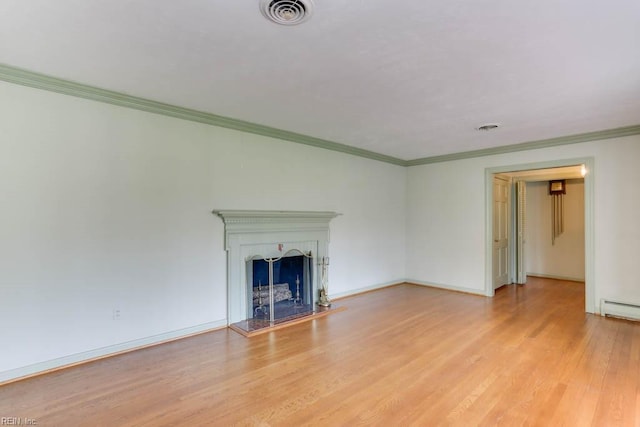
x=268, y=234
x=260, y=221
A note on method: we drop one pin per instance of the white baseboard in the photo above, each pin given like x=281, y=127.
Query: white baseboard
x=447, y=287
x=411, y=281
x=554, y=276
x=365, y=289
x=87, y=356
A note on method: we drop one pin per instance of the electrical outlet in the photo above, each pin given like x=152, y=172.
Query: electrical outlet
x=116, y=314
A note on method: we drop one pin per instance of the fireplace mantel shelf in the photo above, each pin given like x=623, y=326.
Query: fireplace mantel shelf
x=253, y=216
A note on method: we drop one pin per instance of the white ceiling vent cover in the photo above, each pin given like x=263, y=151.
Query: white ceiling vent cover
x=287, y=12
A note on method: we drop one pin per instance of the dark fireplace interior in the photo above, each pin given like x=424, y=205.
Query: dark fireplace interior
x=292, y=285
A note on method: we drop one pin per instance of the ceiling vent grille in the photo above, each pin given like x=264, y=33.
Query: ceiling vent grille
x=287, y=12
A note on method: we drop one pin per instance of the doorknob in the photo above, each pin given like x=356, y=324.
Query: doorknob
x=496, y=240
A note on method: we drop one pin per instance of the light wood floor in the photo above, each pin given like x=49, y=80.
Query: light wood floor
x=401, y=356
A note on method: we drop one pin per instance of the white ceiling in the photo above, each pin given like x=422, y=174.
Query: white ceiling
x=408, y=79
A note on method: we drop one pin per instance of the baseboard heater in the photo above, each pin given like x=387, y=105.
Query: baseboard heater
x=620, y=309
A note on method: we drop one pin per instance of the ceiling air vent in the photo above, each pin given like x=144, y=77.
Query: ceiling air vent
x=287, y=12
x=488, y=126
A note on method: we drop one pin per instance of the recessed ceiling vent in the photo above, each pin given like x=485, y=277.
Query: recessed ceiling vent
x=287, y=12
x=488, y=126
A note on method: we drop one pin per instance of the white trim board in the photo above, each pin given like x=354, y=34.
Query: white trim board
x=112, y=350
x=358, y=291
x=446, y=287
x=407, y=282
x=552, y=276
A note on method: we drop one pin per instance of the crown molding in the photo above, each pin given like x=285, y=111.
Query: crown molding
x=531, y=145
x=40, y=81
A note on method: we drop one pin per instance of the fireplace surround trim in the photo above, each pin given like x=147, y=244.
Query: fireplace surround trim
x=248, y=230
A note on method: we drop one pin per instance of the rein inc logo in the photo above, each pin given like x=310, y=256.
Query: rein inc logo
x=18, y=421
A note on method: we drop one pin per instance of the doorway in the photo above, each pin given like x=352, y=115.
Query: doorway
x=515, y=170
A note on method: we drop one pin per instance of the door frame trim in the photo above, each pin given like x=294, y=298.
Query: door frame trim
x=589, y=226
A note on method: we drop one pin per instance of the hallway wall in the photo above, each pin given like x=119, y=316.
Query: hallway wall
x=565, y=258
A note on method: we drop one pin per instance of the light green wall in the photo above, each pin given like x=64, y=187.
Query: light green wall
x=110, y=207
x=106, y=207
x=446, y=224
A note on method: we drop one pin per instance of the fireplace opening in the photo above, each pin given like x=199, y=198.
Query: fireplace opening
x=279, y=289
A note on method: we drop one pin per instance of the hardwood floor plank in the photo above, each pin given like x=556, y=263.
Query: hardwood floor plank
x=405, y=355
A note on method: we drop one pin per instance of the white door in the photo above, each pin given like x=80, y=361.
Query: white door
x=500, y=231
x=521, y=207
